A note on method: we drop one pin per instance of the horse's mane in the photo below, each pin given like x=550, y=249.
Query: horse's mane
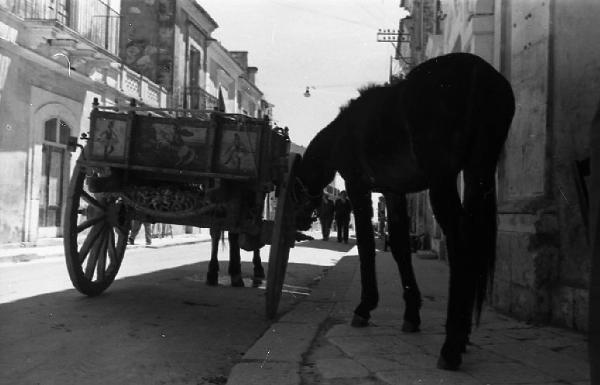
x=369, y=91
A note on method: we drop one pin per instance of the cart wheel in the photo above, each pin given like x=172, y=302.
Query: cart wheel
x=93, y=265
x=282, y=239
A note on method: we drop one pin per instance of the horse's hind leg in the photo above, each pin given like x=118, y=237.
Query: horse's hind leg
x=212, y=276
x=235, y=264
x=259, y=272
x=400, y=244
x=365, y=239
x=448, y=211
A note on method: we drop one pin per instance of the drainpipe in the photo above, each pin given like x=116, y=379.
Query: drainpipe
x=186, y=63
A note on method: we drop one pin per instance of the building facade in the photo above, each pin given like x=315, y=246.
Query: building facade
x=56, y=56
x=543, y=261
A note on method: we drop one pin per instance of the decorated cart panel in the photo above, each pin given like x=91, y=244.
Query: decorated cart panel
x=224, y=144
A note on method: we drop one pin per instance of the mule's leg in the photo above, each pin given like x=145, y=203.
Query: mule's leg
x=212, y=276
x=259, y=272
x=365, y=239
x=399, y=239
x=448, y=211
x=235, y=264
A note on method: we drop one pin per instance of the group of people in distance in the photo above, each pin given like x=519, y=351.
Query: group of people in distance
x=340, y=211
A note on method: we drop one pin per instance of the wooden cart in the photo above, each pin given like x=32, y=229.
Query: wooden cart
x=204, y=169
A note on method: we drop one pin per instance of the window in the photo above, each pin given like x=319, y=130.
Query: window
x=194, y=78
x=54, y=155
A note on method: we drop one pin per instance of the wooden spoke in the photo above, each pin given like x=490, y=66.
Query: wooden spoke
x=90, y=222
x=112, y=251
x=101, y=265
x=89, y=241
x=93, y=258
x=91, y=200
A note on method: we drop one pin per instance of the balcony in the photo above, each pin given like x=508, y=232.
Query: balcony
x=65, y=22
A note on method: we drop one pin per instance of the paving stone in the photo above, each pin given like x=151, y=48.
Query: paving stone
x=554, y=364
x=308, y=312
x=280, y=373
x=401, y=361
x=476, y=355
x=346, y=330
x=375, y=345
x=426, y=377
x=506, y=373
x=283, y=342
x=341, y=368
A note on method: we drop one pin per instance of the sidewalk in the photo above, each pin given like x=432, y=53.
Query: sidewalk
x=53, y=247
x=314, y=344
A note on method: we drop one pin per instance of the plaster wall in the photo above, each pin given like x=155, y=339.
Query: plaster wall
x=525, y=167
x=13, y=154
x=576, y=83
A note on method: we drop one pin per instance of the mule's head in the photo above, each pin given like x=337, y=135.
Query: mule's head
x=306, y=205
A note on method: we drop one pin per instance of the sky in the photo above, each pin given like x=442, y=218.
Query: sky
x=328, y=45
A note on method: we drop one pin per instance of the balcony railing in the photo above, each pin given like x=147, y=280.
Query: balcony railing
x=142, y=89
x=198, y=99
x=94, y=20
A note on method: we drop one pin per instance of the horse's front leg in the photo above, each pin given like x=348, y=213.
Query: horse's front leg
x=212, y=276
x=235, y=264
x=399, y=239
x=365, y=239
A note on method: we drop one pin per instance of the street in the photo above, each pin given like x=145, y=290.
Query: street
x=158, y=323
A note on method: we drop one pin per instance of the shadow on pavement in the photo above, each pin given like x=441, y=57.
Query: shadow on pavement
x=161, y=327
x=331, y=244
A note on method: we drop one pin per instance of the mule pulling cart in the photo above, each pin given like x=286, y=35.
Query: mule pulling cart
x=194, y=168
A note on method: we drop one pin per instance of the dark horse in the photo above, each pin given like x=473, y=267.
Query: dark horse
x=235, y=265
x=450, y=114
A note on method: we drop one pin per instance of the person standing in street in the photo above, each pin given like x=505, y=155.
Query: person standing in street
x=326, y=216
x=342, y=216
x=381, y=217
x=135, y=229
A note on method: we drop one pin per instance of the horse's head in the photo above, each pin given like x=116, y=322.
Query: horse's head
x=306, y=204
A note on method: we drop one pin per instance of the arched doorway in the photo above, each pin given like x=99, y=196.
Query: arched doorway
x=55, y=158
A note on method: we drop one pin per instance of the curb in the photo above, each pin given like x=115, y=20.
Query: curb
x=276, y=357
x=58, y=251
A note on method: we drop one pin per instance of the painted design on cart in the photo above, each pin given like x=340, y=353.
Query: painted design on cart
x=238, y=151
x=170, y=144
x=110, y=136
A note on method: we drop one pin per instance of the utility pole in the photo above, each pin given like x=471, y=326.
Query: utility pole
x=396, y=38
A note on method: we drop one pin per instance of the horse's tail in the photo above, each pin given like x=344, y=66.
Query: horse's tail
x=480, y=206
x=480, y=178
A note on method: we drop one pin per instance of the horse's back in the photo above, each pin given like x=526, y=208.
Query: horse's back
x=453, y=103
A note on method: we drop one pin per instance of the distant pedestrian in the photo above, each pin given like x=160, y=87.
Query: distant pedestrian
x=381, y=217
x=326, y=216
x=342, y=216
x=135, y=229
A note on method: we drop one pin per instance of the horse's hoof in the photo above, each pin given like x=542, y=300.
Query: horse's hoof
x=256, y=282
x=452, y=365
x=212, y=279
x=359, y=322
x=410, y=327
x=465, y=344
x=237, y=281
x=449, y=360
